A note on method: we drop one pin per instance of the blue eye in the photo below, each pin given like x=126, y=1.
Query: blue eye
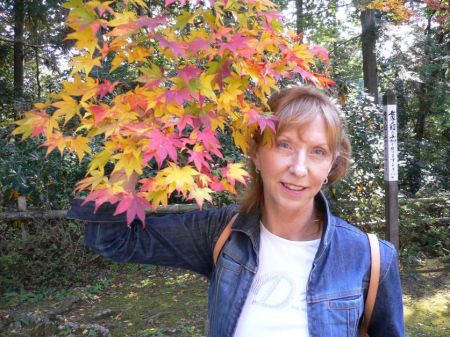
x=283, y=145
x=319, y=151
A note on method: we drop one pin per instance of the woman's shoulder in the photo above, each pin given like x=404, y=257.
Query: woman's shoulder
x=355, y=238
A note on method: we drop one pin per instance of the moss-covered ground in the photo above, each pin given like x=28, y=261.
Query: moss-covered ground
x=154, y=301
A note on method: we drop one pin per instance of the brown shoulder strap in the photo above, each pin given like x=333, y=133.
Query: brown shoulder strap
x=223, y=238
x=375, y=267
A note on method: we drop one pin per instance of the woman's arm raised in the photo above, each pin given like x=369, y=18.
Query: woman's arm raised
x=178, y=240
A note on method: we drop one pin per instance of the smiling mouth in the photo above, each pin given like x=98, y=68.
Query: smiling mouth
x=293, y=187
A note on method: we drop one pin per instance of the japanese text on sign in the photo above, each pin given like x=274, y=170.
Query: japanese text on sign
x=390, y=143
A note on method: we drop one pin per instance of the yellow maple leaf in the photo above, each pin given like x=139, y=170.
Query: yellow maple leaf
x=68, y=108
x=206, y=88
x=130, y=161
x=117, y=61
x=80, y=145
x=200, y=195
x=227, y=186
x=100, y=160
x=177, y=178
x=232, y=91
x=240, y=140
x=122, y=18
x=84, y=63
x=150, y=73
x=235, y=171
x=139, y=54
x=85, y=39
x=96, y=179
x=157, y=197
x=87, y=89
x=302, y=52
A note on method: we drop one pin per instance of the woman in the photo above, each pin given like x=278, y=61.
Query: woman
x=289, y=267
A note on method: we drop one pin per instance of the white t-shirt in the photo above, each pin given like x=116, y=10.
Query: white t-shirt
x=276, y=303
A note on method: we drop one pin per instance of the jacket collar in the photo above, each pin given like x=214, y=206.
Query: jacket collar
x=248, y=223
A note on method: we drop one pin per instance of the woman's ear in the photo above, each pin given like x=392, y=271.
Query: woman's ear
x=254, y=156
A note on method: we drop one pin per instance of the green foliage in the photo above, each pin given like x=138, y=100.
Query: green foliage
x=48, y=254
x=45, y=181
x=359, y=197
x=422, y=234
x=420, y=76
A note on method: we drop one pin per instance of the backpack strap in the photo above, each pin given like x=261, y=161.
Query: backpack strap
x=223, y=238
x=375, y=267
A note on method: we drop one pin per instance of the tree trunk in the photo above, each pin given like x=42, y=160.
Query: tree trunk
x=368, y=41
x=38, y=82
x=299, y=16
x=19, y=17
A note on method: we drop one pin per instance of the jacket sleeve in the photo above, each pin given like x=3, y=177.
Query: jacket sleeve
x=178, y=240
x=387, y=317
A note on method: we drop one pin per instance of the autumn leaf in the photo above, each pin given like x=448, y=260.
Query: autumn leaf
x=199, y=156
x=161, y=146
x=234, y=172
x=80, y=145
x=95, y=179
x=135, y=206
x=200, y=195
x=85, y=39
x=176, y=178
x=68, y=108
x=84, y=63
x=55, y=141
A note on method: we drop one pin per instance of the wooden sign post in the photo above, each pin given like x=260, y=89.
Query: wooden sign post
x=391, y=168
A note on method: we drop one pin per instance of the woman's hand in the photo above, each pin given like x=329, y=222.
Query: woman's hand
x=128, y=183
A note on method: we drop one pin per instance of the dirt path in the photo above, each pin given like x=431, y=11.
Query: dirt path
x=152, y=301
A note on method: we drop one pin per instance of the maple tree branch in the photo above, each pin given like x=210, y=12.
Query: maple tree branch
x=60, y=214
x=12, y=41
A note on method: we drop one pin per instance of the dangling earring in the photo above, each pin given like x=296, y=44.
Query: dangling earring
x=325, y=181
x=257, y=170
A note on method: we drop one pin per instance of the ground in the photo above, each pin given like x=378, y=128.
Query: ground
x=140, y=301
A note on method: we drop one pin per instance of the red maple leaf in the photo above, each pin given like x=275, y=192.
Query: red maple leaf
x=161, y=146
x=178, y=95
x=189, y=72
x=216, y=185
x=272, y=16
x=209, y=140
x=321, y=52
x=178, y=48
x=151, y=23
x=262, y=120
x=99, y=113
x=135, y=206
x=198, y=44
x=186, y=120
x=106, y=87
x=100, y=197
x=199, y=158
x=236, y=41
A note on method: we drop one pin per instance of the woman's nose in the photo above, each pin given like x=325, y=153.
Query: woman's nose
x=298, y=165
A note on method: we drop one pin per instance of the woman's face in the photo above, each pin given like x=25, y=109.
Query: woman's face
x=294, y=168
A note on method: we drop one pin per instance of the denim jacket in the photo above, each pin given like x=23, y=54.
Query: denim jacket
x=337, y=283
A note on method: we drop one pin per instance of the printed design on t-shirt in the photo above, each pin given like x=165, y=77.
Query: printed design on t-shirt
x=275, y=291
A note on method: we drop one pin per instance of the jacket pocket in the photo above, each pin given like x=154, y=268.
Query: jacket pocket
x=344, y=314
x=227, y=262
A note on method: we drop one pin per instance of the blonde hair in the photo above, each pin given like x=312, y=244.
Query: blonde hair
x=298, y=106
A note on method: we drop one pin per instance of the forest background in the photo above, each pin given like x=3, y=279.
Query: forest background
x=403, y=48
